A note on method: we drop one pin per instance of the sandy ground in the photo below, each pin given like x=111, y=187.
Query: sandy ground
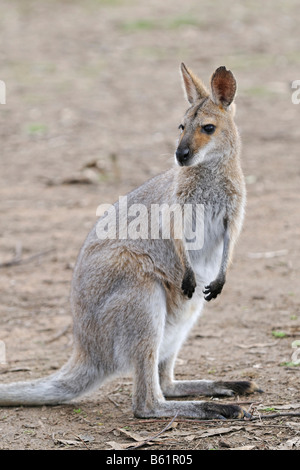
x=93, y=102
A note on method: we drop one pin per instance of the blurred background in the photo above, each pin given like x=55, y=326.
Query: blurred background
x=93, y=104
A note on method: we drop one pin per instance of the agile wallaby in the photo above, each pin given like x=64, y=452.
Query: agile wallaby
x=135, y=300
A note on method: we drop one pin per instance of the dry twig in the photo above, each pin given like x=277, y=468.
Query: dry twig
x=274, y=415
x=16, y=260
x=155, y=435
x=216, y=421
x=58, y=335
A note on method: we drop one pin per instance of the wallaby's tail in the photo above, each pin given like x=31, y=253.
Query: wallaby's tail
x=72, y=380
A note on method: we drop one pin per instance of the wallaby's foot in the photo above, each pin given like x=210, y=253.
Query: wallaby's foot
x=210, y=388
x=193, y=409
x=242, y=387
x=189, y=283
x=219, y=411
x=213, y=289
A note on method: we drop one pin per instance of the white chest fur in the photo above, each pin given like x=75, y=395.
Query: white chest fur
x=206, y=261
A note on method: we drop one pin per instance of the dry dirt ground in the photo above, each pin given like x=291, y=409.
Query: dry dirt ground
x=93, y=102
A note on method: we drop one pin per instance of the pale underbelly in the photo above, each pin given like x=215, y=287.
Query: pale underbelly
x=178, y=325
x=206, y=264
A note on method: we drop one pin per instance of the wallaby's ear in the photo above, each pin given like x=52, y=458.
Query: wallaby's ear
x=193, y=87
x=223, y=87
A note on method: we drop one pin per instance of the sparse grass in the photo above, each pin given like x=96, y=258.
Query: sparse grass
x=144, y=24
x=36, y=129
x=91, y=69
x=107, y=2
x=290, y=364
x=279, y=334
x=157, y=53
x=241, y=61
x=259, y=91
x=184, y=21
x=140, y=25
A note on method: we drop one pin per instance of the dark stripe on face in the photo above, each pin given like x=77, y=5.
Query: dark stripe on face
x=192, y=112
x=199, y=107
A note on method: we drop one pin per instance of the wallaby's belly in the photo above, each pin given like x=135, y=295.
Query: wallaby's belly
x=178, y=325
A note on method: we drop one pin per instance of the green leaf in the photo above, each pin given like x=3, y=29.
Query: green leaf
x=279, y=334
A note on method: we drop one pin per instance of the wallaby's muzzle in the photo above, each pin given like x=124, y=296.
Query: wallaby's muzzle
x=183, y=154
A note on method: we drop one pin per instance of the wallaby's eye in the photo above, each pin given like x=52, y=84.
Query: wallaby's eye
x=208, y=129
x=181, y=127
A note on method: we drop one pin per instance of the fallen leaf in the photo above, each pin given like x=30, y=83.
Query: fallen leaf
x=118, y=446
x=256, y=345
x=135, y=436
x=67, y=442
x=207, y=433
x=290, y=444
x=141, y=440
x=243, y=448
x=217, y=431
x=86, y=437
x=190, y=437
x=128, y=445
x=291, y=406
x=293, y=424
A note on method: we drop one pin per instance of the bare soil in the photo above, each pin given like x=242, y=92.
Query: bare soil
x=93, y=104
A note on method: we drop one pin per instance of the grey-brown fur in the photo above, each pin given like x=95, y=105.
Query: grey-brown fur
x=134, y=301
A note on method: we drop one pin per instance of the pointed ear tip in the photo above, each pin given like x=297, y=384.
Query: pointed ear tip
x=183, y=66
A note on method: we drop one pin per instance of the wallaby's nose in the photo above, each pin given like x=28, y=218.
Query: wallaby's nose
x=182, y=154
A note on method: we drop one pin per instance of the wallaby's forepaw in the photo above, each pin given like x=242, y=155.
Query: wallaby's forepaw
x=213, y=289
x=189, y=283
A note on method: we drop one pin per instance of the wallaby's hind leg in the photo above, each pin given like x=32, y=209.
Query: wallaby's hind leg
x=181, y=388
x=148, y=399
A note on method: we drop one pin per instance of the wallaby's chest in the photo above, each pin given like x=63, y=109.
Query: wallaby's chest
x=206, y=258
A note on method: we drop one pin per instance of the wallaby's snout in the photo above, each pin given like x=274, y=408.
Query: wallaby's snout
x=183, y=154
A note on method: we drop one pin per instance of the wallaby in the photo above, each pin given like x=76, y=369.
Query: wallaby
x=135, y=300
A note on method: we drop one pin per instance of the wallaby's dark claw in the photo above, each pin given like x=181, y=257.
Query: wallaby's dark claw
x=212, y=290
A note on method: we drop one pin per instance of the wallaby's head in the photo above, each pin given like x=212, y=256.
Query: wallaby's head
x=207, y=130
